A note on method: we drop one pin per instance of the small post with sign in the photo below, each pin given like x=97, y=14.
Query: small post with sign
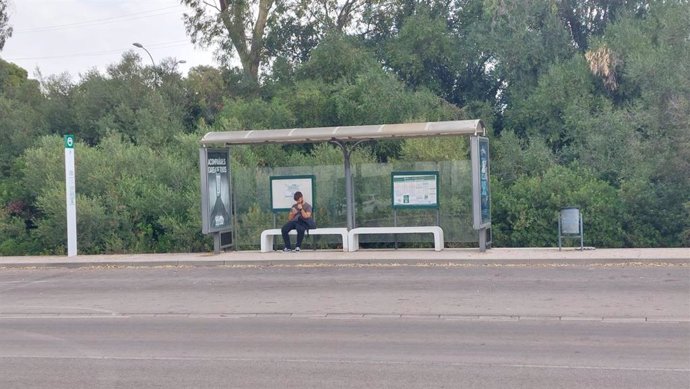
x=71, y=197
x=570, y=226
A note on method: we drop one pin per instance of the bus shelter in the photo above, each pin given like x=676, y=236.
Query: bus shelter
x=215, y=166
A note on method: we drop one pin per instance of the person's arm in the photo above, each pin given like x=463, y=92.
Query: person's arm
x=293, y=212
x=303, y=212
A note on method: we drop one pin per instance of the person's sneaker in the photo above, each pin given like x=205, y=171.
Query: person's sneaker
x=297, y=249
x=286, y=250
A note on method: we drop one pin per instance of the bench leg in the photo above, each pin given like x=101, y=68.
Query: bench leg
x=267, y=243
x=346, y=242
x=438, y=241
x=354, y=243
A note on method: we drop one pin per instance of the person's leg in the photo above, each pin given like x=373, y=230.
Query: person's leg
x=289, y=226
x=300, y=234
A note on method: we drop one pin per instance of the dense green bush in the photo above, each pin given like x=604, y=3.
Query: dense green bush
x=526, y=213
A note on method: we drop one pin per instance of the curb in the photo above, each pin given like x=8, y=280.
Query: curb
x=403, y=257
x=610, y=263
x=355, y=316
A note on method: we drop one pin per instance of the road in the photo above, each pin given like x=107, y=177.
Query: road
x=347, y=326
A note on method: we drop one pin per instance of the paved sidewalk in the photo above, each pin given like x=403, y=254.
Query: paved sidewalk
x=568, y=256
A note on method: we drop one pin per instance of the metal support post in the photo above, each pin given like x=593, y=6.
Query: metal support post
x=349, y=191
x=349, y=186
x=395, y=224
x=482, y=240
x=216, y=243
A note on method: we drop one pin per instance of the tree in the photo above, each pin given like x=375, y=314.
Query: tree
x=206, y=90
x=652, y=93
x=423, y=54
x=127, y=101
x=513, y=158
x=295, y=27
x=5, y=28
x=435, y=44
x=302, y=25
x=589, y=18
x=20, y=112
x=231, y=24
x=564, y=96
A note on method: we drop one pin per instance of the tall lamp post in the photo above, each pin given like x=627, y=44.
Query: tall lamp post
x=139, y=45
x=155, y=68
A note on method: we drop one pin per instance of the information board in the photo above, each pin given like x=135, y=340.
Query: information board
x=414, y=189
x=283, y=190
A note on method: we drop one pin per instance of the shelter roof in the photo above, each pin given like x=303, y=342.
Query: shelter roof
x=345, y=133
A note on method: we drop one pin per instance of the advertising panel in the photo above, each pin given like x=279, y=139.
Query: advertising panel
x=215, y=190
x=414, y=189
x=283, y=189
x=481, y=191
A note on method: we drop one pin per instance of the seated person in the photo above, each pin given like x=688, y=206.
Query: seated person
x=300, y=219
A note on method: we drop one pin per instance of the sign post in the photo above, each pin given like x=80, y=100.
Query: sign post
x=71, y=196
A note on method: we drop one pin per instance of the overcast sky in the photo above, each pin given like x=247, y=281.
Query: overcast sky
x=74, y=36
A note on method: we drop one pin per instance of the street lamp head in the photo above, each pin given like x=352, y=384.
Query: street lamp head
x=181, y=61
x=139, y=45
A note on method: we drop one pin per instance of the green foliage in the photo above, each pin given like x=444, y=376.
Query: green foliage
x=5, y=28
x=513, y=158
x=127, y=101
x=376, y=97
x=532, y=38
x=337, y=58
x=15, y=238
x=119, y=207
x=564, y=95
x=257, y=114
x=526, y=213
x=434, y=149
x=21, y=120
x=424, y=53
x=587, y=103
x=250, y=225
x=656, y=213
x=206, y=89
x=341, y=84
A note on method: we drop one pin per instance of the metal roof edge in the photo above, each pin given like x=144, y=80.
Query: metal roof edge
x=346, y=133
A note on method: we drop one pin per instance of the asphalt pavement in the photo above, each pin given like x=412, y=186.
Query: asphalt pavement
x=528, y=321
x=178, y=352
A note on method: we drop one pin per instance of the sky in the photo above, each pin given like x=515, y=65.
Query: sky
x=76, y=36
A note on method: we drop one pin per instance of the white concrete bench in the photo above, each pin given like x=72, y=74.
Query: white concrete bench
x=268, y=235
x=436, y=230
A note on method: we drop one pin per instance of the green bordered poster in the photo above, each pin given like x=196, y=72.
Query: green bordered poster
x=283, y=189
x=414, y=189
